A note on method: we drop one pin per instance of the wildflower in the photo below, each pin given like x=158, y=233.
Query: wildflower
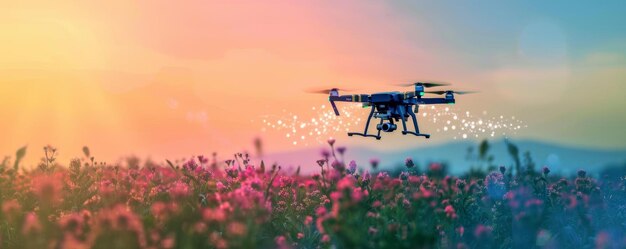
x=71, y=223
x=179, y=190
x=482, y=231
x=582, y=173
x=232, y=172
x=31, y=224
x=202, y=159
x=341, y=150
x=168, y=242
x=450, y=212
x=404, y=176
x=300, y=235
x=320, y=211
x=495, y=185
x=331, y=141
x=366, y=176
x=216, y=215
x=372, y=231
x=11, y=207
x=237, y=228
x=325, y=154
x=502, y=169
x=190, y=165
x=308, y=220
x=321, y=162
x=602, y=240
x=546, y=170
x=374, y=162
x=337, y=166
x=47, y=188
x=325, y=238
x=220, y=186
x=409, y=162
x=460, y=230
x=460, y=184
x=352, y=167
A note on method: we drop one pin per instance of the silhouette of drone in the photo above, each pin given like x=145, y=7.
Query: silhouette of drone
x=392, y=107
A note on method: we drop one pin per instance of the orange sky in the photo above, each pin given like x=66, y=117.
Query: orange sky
x=165, y=79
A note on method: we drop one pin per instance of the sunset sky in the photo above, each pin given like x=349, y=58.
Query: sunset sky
x=168, y=79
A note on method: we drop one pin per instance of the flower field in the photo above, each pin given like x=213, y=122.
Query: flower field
x=203, y=202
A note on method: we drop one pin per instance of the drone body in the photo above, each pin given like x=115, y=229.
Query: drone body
x=393, y=107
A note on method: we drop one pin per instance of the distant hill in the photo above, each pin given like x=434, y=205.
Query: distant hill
x=560, y=158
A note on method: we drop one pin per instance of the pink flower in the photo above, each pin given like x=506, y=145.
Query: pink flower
x=482, y=231
x=280, y=240
x=434, y=167
x=376, y=204
x=10, y=208
x=168, y=242
x=31, y=224
x=366, y=176
x=237, y=228
x=352, y=167
x=372, y=231
x=220, y=186
x=358, y=194
x=179, y=190
x=308, y=220
x=216, y=215
x=331, y=141
x=335, y=195
x=320, y=211
x=48, y=187
x=325, y=238
x=450, y=212
x=460, y=230
x=300, y=235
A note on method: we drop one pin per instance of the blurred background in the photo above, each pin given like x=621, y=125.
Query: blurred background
x=162, y=79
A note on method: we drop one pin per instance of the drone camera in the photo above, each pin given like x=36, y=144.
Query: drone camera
x=387, y=127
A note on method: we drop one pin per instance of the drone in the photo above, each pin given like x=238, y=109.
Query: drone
x=393, y=107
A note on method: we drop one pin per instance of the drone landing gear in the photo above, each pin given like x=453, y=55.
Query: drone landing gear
x=416, y=134
x=417, y=130
x=367, y=124
x=363, y=135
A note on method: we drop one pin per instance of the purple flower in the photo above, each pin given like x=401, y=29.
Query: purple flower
x=325, y=153
x=494, y=182
x=352, y=167
x=367, y=176
x=546, y=170
x=409, y=162
x=337, y=166
x=341, y=150
x=374, y=162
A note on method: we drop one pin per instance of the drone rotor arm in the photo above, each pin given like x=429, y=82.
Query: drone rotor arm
x=434, y=101
x=361, y=98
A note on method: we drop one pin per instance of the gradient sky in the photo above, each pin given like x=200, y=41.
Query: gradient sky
x=166, y=79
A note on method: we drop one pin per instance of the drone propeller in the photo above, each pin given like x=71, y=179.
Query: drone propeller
x=426, y=84
x=455, y=92
x=326, y=91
